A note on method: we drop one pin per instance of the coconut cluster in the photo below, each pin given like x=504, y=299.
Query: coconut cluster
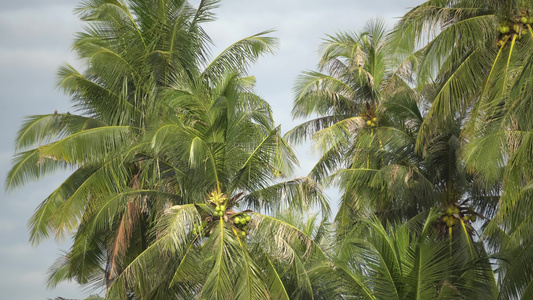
x=513, y=27
x=240, y=221
x=218, y=201
x=219, y=210
x=453, y=214
x=371, y=121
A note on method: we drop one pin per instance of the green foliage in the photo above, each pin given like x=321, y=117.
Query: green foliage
x=409, y=261
x=182, y=183
x=161, y=130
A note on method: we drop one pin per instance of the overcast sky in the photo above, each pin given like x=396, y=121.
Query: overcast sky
x=35, y=38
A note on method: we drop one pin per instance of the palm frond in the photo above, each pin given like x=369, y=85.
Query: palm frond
x=87, y=145
x=30, y=165
x=239, y=55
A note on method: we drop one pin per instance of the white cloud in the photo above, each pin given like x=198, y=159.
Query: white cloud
x=16, y=252
x=6, y=227
x=10, y=6
x=52, y=27
x=24, y=285
x=26, y=60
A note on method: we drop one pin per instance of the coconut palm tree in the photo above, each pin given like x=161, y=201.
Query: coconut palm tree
x=486, y=78
x=223, y=158
x=359, y=73
x=391, y=177
x=480, y=56
x=382, y=166
x=117, y=95
x=368, y=127
x=145, y=63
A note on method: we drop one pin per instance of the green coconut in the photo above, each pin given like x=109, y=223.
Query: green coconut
x=524, y=20
x=504, y=29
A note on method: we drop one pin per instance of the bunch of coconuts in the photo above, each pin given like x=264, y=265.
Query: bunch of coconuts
x=453, y=213
x=219, y=210
x=516, y=27
x=370, y=121
x=241, y=222
x=219, y=200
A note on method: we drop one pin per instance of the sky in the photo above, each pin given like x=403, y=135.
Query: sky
x=35, y=39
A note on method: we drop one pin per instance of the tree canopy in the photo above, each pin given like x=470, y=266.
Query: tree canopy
x=183, y=185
